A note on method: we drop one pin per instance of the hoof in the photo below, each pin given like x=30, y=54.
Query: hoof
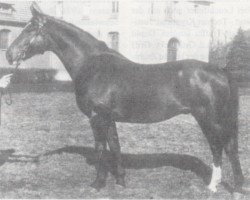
x=121, y=182
x=237, y=196
x=98, y=185
x=212, y=188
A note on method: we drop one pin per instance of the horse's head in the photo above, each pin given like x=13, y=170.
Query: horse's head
x=32, y=40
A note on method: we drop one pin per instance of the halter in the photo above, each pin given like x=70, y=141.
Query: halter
x=39, y=31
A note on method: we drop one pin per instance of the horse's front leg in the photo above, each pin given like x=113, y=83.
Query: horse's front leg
x=99, y=128
x=115, y=149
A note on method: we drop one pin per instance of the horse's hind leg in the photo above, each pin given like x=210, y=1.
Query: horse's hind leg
x=231, y=149
x=99, y=127
x=231, y=136
x=213, y=132
x=114, y=145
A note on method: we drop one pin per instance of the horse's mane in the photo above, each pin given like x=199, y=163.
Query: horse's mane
x=79, y=33
x=84, y=36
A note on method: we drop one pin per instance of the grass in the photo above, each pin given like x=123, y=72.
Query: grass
x=49, y=125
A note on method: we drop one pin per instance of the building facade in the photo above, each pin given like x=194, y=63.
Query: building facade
x=145, y=31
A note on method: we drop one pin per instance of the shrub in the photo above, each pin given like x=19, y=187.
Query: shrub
x=30, y=75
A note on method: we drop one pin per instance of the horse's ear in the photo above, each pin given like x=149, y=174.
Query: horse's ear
x=37, y=13
x=35, y=9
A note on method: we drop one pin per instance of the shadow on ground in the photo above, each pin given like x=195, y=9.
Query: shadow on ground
x=129, y=161
x=145, y=161
x=9, y=156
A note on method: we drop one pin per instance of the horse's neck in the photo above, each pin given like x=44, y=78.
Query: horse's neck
x=72, y=60
x=71, y=48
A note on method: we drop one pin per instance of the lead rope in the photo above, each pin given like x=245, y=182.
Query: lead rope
x=9, y=100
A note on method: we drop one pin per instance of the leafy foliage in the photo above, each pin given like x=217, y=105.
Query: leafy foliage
x=238, y=54
x=218, y=54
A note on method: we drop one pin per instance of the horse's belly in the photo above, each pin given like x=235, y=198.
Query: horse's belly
x=149, y=114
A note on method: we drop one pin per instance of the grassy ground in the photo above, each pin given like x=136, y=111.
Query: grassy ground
x=156, y=156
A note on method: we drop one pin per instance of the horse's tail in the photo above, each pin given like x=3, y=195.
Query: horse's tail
x=232, y=108
x=230, y=139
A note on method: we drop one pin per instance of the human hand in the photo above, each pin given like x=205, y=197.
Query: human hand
x=5, y=80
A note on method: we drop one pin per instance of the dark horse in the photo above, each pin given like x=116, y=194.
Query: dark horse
x=110, y=88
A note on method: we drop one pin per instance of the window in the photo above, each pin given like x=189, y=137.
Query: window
x=115, y=6
x=172, y=11
x=4, y=38
x=152, y=8
x=173, y=45
x=155, y=10
x=114, y=40
x=196, y=8
x=169, y=13
x=114, y=10
x=6, y=8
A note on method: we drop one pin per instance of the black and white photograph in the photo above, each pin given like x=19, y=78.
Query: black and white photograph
x=125, y=99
